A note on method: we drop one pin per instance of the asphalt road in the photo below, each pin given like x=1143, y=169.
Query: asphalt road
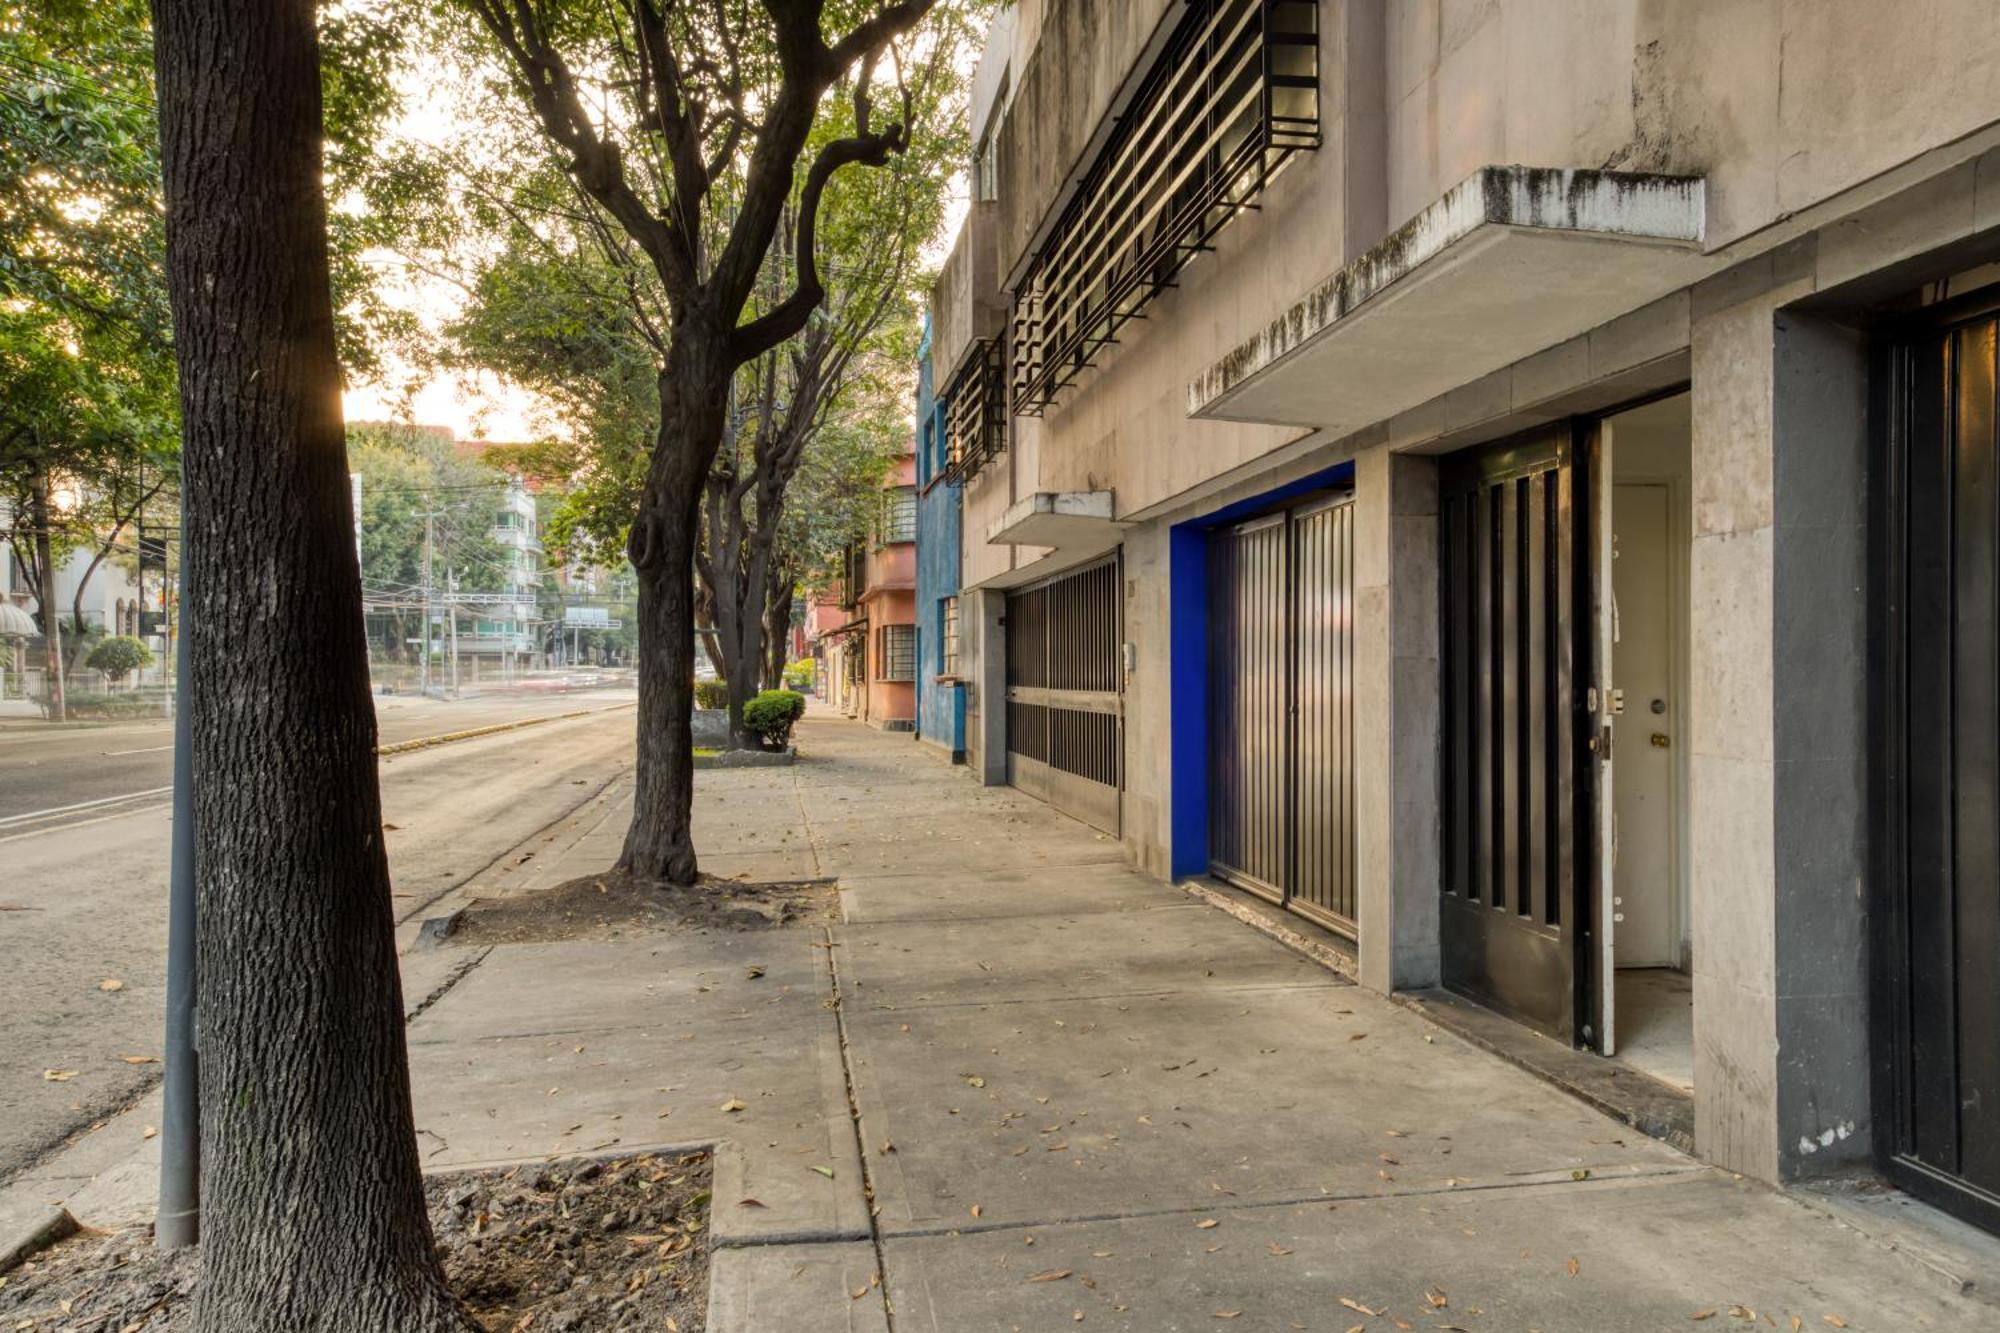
x=85, y=902
x=47, y=773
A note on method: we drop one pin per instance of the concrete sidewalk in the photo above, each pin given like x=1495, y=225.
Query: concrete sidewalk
x=1084, y=1096
x=1018, y=1086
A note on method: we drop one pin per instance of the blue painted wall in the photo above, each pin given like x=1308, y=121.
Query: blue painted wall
x=940, y=708
x=1187, y=571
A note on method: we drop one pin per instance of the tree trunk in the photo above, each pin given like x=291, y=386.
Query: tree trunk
x=660, y=843
x=777, y=628
x=313, y=1207
x=45, y=597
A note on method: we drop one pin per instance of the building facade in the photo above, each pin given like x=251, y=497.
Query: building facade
x=1513, y=483
x=862, y=628
x=940, y=688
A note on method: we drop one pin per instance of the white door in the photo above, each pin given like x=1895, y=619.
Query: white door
x=1645, y=850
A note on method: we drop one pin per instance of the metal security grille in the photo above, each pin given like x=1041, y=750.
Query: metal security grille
x=1281, y=708
x=1938, y=783
x=1511, y=728
x=1065, y=726
x=1232, y=96
x=975, y=412
x=896, y=652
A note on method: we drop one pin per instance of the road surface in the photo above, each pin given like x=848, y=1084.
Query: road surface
x=85, y=902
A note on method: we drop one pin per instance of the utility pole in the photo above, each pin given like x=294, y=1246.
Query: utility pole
x=430, y=532
x=51, y=617
x=451, y=609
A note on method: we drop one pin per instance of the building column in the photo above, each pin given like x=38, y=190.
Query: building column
x=1778, y=730
x=1396, y=683
x=983, y=661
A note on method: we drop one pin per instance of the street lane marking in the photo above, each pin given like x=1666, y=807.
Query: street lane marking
x=15, y=821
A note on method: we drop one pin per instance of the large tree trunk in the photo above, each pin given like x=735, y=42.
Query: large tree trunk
x=659, y=844
x=313, y=1208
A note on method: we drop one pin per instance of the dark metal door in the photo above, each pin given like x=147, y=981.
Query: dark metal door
x=1065, y=706
x=1938, y=691
x=1514, y=858
x=1281, y=682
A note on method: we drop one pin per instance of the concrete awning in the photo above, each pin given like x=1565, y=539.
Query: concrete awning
x=1511, y=261
x=1061, y=519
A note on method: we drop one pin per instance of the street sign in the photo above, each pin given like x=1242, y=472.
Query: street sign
x=587, y=617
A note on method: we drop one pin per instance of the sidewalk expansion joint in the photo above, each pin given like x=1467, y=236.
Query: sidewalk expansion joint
x=860, y=1143
x=1329, y=1198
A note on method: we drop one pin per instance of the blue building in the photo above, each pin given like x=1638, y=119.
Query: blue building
x=940, y=692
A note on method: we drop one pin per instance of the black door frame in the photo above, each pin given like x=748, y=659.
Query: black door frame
x=1891, y=400
x=1576, y=442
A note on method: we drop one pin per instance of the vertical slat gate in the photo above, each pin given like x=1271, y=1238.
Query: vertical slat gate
x=1281, y=715
x=1506, y=561
x=1065, y=734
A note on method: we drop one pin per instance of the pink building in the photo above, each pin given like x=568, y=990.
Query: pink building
x=864, y=629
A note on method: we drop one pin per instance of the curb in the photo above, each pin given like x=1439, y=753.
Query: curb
x=471, y=733
x=22, y=1239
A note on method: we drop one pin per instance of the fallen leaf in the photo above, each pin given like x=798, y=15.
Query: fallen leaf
x=751, y=1203
x=1797, y=1324
x=1401, y=1322
x=1571, y=1265
x=857, y=1293
x=1227, y=1314
x=1051, y=1275
x=1358, y=1307
x=140, y=1059
x=1436, y=1297
x=887, y=1147
x=1700, y=1315
x=1581, y=1173
x=753, y=973
x=1278, y=1250
x=975, y=1080
x=58, y=1075
x=149, y=1131
x=975, y=1210
x=826, y=1171
x=1835, y=1320
x=732, y=1105
x=110, y=984
x=1208, y=1224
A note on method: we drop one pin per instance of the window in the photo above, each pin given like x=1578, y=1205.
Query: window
x=896, y=652
x=975, y=412
x=948, y=639
x=900, y=523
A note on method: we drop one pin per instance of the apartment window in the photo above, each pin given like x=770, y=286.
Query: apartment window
x=975, y=412
x=900, y=523
x=948, y=640
x=896, y=652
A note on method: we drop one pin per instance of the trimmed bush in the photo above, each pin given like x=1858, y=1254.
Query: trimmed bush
x=711, y=694
x=771, y=715
x=799, y=675
x=117, y=655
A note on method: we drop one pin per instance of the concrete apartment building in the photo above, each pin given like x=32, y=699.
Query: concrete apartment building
x=1514, y=482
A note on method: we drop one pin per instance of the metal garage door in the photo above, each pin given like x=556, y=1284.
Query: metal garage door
x=1938, y=685
x=1065, y=710
x=1509, y=914
x=1281, y=689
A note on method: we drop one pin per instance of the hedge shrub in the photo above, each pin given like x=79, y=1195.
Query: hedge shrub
x=771, y=715
x=799, y=675
x=118, y=655
x=711, y=694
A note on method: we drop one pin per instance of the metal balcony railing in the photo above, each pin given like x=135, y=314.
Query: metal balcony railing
x=1232, y=96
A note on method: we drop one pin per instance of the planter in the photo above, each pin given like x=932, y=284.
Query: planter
x=711, y=728
x=748, y=758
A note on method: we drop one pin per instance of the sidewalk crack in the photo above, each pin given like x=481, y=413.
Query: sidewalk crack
x=860, y=1142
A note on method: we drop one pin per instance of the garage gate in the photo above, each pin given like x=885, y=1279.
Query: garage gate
x=1065, y=706
x=1281, y=708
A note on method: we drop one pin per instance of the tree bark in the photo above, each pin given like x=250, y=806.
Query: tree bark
x=313, y=1207
x=777, y=626
x=659, y=845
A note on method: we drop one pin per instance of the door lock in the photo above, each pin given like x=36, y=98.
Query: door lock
x=1614, y=702
x=1660, y=740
